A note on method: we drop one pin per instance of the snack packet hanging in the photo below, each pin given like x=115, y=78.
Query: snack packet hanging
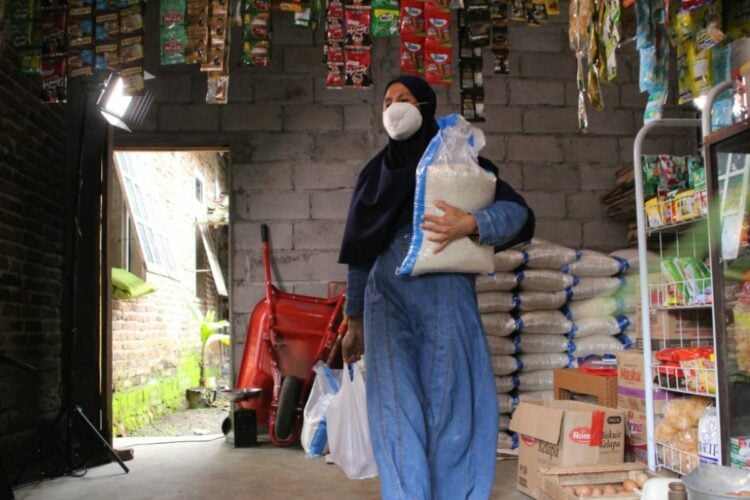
x=357, y=69
x=412, y=18
x=385, y=22
x=438, y=64
x=449, y=171
x=412, y=54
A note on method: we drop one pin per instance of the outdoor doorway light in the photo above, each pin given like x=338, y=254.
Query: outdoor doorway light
x=120, y=110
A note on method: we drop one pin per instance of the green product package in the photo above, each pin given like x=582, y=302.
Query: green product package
x=678, y=293
x=385, y=4
x=697, y=170
x=172, y=12
x=173, y=45
x=385, y=22
x=650, y=167
x=697, y=275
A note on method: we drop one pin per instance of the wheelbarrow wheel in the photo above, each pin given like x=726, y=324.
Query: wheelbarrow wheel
x=287, y=408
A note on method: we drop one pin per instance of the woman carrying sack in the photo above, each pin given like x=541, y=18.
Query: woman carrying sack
x=431, y=401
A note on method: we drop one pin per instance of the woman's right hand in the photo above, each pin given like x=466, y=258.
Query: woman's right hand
x=353, y=344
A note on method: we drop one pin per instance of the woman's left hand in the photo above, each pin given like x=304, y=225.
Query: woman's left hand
x=453, y=225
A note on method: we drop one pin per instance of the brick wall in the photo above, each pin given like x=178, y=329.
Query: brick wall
x=153, y=334
x=32, y=205
x=297, y=147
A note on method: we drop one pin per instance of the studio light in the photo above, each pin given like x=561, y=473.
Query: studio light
x=120, y=110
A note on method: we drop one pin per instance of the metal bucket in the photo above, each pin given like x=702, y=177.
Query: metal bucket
x=713, y=482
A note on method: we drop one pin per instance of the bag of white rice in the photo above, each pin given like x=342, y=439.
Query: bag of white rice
x=544, y=322
x=588, y=288
x=498, y=282
x=504, y=384
x=592, y=264
x=504, y=421
x=549, y=256
x=504, y=364
x=536, y=396
x=499, y=324
x=533, y=362
x=600, y=345
x=496, y=302
x=600, y=306
x=449, y=171
x=509, y=260
x=541, y=380
x=507, y=403
x=545, y=280
x=630, y=255
x=538, y=301
x=501, y=345
x=600, y=325
x=542, y=344
x=507, y=440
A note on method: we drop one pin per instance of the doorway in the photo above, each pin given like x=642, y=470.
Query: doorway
x=168, y=254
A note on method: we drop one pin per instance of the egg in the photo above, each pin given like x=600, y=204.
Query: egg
x=583, y=491
x=596, y=492
x=629, y=485
x=609, y=490
x=641, y=479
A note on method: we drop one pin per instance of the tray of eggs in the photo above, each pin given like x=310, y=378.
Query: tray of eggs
x=602, y=484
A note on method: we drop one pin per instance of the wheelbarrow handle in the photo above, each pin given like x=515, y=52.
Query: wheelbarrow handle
x=264, y=233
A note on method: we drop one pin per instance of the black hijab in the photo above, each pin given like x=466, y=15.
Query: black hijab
x=383, y=197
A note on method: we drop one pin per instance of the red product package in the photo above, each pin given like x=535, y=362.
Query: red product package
x=412, y=17
x=334, y=52
x=437, y=25
x=334, y=29
x=412, y=55
x=438, y=4
x=335, y=77
x=357, y=69
x=54, y=81
x=358, y=28
x=53, y=32
x=438, y=64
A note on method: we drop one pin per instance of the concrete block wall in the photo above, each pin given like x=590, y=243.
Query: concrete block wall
x=297, y=147
x=32, y=246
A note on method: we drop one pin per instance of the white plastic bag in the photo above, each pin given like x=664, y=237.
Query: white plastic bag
x=348, y=430
x=589, y=288
x=604, y=325
x=599, y=345
x=449, y=171
x=314, y=436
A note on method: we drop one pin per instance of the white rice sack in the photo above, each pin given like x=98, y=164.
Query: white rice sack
x=507, y=441
x=449, y=171
x=501, y=345
x=533, y=362
x=509, y=260
x=630, y=255
x=504, y=421
x=505, y=384
x=544, y=322
x=599, y=345
x=496, y=302
x=542, y=380
x=499, y=324
x=542, y=344
x=507, y=403
x=536, y=396
x=504, y=365
x=498, y=282
x=539, y=301
x=545, y=280
x=592, y=264
x=549, y=256
x=600, y=306
x=588, y=288
x=604, y=325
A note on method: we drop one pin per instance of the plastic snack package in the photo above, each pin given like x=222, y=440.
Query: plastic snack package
x=412, y=54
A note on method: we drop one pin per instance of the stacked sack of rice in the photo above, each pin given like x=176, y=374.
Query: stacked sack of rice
x=545, y=306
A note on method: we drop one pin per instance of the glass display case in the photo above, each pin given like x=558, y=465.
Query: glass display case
x=727, y=153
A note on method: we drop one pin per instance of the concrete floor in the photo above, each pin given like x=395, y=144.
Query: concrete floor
x=211, y=469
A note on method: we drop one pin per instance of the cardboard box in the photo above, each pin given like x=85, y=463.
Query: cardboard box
x=631, y=394
x=564, y=433
x=636, y=437
x=569, y=381
x=556, y=479
x=669, y=325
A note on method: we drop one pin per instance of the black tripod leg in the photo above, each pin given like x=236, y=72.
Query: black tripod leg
x=6, y=492
x=93, y=428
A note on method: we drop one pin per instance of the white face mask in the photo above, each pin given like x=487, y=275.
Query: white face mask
x=401, y=120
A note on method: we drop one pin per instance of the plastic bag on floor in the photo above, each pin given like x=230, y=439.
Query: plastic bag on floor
x=601, y=345
x=533, y=362
x=544, y=322
x=549, y=256
x=545, y=280
x=496, y=302
x=630, y=255
x=314, y=436
x=509, y=260
x=504, y=384
x=541, y=380
x=504, y=365
x=498, y=324
x=592, y=264
x=498, y=282
x=606, y=325
x=348, y=430
x=540, y=301
x=501, y=345
x=543, y=344
x=589, y=288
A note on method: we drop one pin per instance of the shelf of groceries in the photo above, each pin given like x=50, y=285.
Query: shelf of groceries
x=675, y=459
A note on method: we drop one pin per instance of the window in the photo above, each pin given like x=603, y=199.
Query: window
x=146, y=217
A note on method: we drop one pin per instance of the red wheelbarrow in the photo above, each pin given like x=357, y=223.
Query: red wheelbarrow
x=286, y=335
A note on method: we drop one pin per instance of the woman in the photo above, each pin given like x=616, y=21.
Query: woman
x=431, y=396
